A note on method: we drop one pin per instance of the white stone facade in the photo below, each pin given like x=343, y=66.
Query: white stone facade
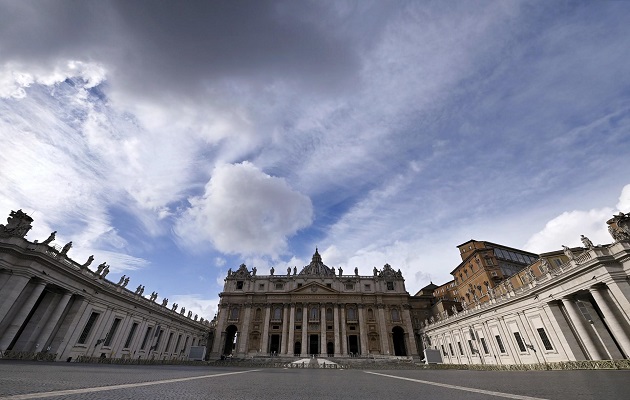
x=579, y=310
x=317, y=311
x=51, y=304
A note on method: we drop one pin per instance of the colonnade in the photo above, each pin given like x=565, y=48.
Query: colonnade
x=289, y=329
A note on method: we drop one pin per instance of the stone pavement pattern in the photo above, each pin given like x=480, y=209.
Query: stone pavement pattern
x=26, y=379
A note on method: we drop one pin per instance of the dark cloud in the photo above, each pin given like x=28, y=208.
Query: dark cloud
x=189, y=45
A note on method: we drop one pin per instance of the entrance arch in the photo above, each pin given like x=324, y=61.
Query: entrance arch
x=398, y=337
x=230, y=334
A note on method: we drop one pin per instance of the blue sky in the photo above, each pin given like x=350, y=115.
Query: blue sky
x=177, y=140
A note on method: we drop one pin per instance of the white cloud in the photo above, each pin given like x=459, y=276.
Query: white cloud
x=245, y=211
x=204, y=308
x=624, y=200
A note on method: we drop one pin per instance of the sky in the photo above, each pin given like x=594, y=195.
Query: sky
x=176, y=140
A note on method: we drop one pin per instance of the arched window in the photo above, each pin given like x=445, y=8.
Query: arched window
x=352, y=314
x=370, y=314
x=298, y=314
x=395, y=315
x=258, y=315
x=277, y=313
x=329, y=314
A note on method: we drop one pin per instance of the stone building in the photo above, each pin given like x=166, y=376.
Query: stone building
x=316, y=311
x=567, y=305
x=51, y=304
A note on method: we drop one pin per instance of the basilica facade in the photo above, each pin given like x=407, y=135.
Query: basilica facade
x=315, y=311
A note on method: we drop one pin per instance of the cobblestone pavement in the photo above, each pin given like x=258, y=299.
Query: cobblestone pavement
x=29, y=380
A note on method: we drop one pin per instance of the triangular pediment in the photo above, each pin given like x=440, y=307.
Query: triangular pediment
x=313, y=288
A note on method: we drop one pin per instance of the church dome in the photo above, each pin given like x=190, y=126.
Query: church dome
x=317, y=267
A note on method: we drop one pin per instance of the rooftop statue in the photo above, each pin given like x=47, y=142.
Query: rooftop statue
x=18, y=224
x=66, y=249
x=88, y=262
x=586, y=242
x=50, y=238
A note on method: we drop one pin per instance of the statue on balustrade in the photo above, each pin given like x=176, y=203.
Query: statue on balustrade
x=586, y=242
x=50, y=238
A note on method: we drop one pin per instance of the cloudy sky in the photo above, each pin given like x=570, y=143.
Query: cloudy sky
x=175, y=140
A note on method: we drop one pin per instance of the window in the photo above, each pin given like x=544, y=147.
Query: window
x=298, y=327
x=461, y=349
x=558, y=262
x=88, y=327
x=329, y=314
x=368, y=286
x=258, y=314
x=329, y=285
x=519, y=341
x=234, y=313
x=395, y=315
x=239, y=285
x=500, y=344
x=299, y=285
x=370, y=314
x=277, y=313
x=484, y=345
x=544, y=338
x=314, y=313
x=390, y=285
x=279, y=285
x=298, y=314
x=146, y=337
x=132, y=332
x=352, y=314
x=261, y=286
x=112, y=332
x=349, y=286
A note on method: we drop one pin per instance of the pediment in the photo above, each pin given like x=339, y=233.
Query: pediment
x=313, y=288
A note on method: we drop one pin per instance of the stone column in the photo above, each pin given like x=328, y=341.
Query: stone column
x=383, y=329
x=620, y=294
x=362, y=331
x=616, y=326
x=291, y=338
x=265, y=338
x=582, y=328
x=73, y=327
x=217, y=347
x=304, y=329
x=243, y=339
x=344, y=337
x=44, y=335
x=336, y=329
x=10, y=293
x=413, y=349
x=284, y=345
x=21, y=315
x=322, y=330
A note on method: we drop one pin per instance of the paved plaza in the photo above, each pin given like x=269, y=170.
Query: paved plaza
x=33, y=380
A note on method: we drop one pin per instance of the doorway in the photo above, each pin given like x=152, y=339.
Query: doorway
x=274, y=347
x=330, y=349
x=353, y=344
x=313, y=344
x=297, y=348
x=398, y=337
x=230, y=335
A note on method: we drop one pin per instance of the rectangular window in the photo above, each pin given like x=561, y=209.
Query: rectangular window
x=132, y=332
x=112, y=331
x=390, y=285
x=544, y=338
x=299, y=285
x=239, y=285
x=261, y=286
x=368, y=286
x=519, y=341
x=461, y=349
x=484, y=345
x=279, y=285
x=298, y=327
x=329, y=285
x=500, y=344
x=146, y=337
x=558, y=262
x=88, y=327
x=349, y=286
